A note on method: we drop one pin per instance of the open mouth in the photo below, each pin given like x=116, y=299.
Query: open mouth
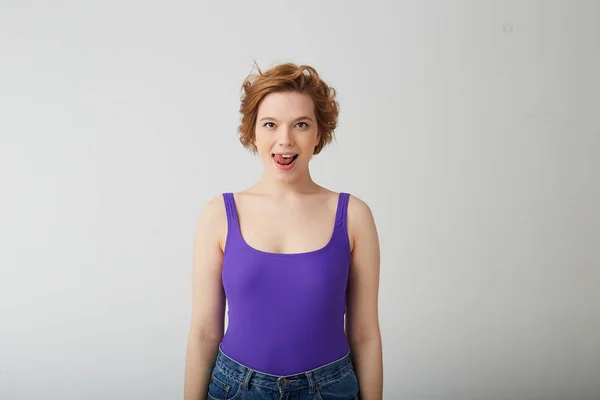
x=284, y=161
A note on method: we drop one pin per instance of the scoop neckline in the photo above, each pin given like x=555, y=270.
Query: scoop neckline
x=304, y=253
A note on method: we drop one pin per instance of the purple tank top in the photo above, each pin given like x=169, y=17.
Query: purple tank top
x=286, y=311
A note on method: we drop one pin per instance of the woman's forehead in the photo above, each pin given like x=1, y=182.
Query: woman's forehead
x=286, y=105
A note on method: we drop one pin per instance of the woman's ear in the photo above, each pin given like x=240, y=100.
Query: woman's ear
x=317, y=144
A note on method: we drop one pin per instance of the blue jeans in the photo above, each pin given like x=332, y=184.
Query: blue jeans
x=231, y=380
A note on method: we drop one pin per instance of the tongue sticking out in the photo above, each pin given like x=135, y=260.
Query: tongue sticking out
x=284, y=161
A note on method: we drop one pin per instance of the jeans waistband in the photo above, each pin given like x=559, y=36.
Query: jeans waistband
x=248, y=377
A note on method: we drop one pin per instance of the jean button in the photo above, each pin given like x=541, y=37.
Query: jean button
x=283, y=382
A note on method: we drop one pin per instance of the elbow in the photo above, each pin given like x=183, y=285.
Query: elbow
x=207, y=333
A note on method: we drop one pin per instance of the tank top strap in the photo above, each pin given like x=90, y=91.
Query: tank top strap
x=232, y=216
x=342, y=211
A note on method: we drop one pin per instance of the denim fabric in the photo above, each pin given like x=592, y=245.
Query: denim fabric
x=232, y=380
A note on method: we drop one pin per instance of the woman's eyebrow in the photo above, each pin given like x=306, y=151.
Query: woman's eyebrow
x=297, y=119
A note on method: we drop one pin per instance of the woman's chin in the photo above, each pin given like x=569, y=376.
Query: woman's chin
x=285, y=176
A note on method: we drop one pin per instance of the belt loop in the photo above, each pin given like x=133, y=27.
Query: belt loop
x=311, y=382
x=247, y=380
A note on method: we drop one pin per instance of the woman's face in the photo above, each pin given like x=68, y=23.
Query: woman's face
x=286, y=134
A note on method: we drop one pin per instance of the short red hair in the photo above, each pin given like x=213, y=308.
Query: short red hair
x=288, y=77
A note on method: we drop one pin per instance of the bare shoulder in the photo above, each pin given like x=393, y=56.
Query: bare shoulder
x=359, y=208
x=361, y=222
x=213, y=211
x=359, y=214
x=212, y=221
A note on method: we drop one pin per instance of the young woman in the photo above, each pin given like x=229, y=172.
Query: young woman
x=291, y=257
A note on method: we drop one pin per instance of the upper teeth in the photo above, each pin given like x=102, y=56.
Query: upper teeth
x=287, y=156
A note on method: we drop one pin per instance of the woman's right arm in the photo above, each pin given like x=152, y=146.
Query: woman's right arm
x=208, y=299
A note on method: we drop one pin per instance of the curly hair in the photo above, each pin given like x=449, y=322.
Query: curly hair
x=288, y=77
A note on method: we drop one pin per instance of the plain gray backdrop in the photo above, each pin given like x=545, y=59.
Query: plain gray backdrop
x=470, y=128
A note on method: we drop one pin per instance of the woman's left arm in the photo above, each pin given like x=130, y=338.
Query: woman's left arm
x=362, y=319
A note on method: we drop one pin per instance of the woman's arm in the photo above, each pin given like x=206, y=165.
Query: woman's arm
x=208, y=300
x=362, y=319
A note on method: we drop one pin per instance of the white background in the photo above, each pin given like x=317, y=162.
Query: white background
x=470, y=128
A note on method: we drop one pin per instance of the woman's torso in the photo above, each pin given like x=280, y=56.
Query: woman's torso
x=285, y=276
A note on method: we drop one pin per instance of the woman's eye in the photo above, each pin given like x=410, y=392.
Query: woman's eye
x=302, y=125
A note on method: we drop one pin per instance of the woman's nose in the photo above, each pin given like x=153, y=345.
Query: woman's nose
x=285, y=137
